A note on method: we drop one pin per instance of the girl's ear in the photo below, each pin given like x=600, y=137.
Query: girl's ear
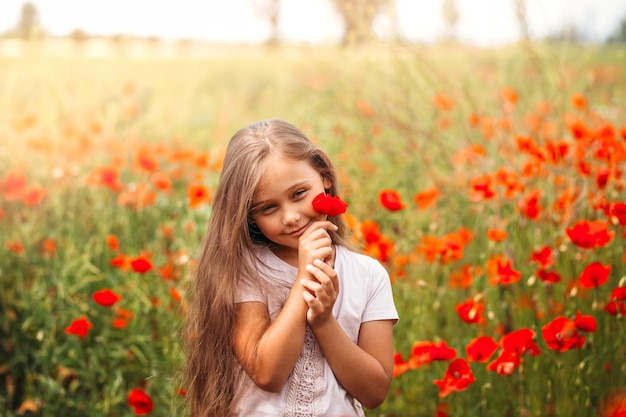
x=327, y=184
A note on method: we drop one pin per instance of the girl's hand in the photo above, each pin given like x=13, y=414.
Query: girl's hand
x=315, y=243
x=321, y=292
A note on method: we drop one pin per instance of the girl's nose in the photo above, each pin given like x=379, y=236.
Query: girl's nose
x=291, y=216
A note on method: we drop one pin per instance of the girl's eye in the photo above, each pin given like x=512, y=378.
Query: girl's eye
x=266, y=209
x=299, y=193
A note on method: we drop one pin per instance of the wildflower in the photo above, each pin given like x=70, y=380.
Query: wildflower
x=106, y=297
x=120, y=261
x=141, y=264
x=505, y=363
x=520, y=341
x=197, y=195
x=529, y=205
x=440, y=351
x=590, y=234
x=481, y=188
x=501, y=271
x=34, y=196
x=48, y=247
x=578, y=101
x=617, y=302
x=480, y=349
x=617, y=211
x=594, y=275
x=443, y=102
x=329, y=205
x=400, y=366
x=496, y=235
x=561, y=334
x=426, y=198
x=548, y=276
x=543, y=257
x=14, y=246
x=391, y=200
x=105, y=176
x=458, y=377
x=585, y=323
x=365, y=108
x=113, y=243
x=140, y=401
x=79, y=327
x=420, y=354
x=471, y=311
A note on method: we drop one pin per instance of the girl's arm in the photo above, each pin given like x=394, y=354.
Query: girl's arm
x=268, y=352
x=364, y=369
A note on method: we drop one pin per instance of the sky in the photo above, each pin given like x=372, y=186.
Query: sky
x=481, y=22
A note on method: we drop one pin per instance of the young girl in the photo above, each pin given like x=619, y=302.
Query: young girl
x=286, y=319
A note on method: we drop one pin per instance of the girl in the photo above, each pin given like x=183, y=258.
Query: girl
x=286, y=319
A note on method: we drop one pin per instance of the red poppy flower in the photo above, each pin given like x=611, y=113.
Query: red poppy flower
x=618, y=212
x=481, y=188
x=548, y=276
x=587, y=235
x=520, y=341
x=471, y=311
x=500, y=271
x=505, y=363
x=458, y=377
x=79, y=327
x=480, y=349
x=140, y=401
x=400, y=366
x=329, y=205
x=420, y=354
x=543, y=257
x=496, y=235
x=440, y=351
x=561, y=334
x=617, y=302
x=197, y=194
x=141, y=264
x=391, y=200
x=594, y=275
x=427, y=198
x=585, y=323
x=113, y=243
x=106, y=297
x=529, y=205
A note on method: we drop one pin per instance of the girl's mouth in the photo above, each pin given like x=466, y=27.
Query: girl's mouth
x=299, y=231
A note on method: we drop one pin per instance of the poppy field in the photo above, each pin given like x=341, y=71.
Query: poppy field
x=490, y=183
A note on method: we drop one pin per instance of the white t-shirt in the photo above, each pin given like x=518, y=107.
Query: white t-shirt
x=312, y=389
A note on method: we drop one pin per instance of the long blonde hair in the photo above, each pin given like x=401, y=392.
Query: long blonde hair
x=228, y=255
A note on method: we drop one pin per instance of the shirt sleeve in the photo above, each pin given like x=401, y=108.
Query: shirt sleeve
x=248, y=291
x=380, y=305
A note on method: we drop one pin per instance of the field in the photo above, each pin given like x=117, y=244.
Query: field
x=490, y=183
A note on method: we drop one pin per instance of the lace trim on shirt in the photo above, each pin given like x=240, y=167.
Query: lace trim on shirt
x=306, y=385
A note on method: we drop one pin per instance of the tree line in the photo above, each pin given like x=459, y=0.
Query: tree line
x=358, y=18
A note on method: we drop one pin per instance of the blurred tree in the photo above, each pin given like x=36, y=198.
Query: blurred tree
x=358, y=17
x=78, y=35
x=270, y=10
x=28, y=27
x=620, y=33
x=450, y=15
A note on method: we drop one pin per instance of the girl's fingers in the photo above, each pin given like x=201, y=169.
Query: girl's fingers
x=326, y=275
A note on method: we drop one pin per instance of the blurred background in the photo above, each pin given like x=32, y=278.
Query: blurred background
x=484, y=23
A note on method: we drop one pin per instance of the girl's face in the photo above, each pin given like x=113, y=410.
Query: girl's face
x=282, y=206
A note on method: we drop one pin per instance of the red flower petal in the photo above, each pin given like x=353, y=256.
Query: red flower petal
x=329, y=205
